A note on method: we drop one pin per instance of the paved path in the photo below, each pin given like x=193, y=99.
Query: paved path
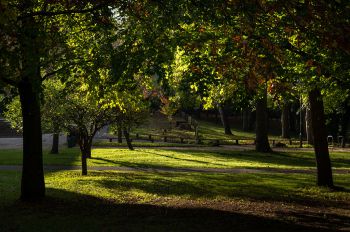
x=170, y=169
x=17, y=143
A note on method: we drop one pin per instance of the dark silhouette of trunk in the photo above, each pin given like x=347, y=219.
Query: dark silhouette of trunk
x=83, y=164
x=292, y=120
x=246, y=118
x=85, y=143
x=262, y=141
x=308, y=126
x=32, y=184
x=120, y=134
x=324, y=169
x=285, y=121
x=224, y=120
x=252, y=120
x=127, y=138
x=55, y=140
x=344, y=124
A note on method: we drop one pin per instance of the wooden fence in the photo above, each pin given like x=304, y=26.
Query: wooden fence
x=214, y=142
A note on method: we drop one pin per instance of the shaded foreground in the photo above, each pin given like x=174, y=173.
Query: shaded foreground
x=163, y=201
x=93, y=214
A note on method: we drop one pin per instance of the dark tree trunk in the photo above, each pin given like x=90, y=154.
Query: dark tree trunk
x=285, y=121
x=85, y=143
x=324, y=169
x=224, y=120
x=55, y=140
x=33, y=185
x=292, y=119
x=345, y=123
x=120, y=134
x=246, y=118
x=83, y=164
x=127, y=138
x=262, y=141
x=308, y=125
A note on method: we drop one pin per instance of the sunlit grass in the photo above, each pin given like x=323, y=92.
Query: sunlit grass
x=185, y=157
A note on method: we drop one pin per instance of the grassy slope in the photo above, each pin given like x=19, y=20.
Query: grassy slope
x=207, y=130
x=183, y=158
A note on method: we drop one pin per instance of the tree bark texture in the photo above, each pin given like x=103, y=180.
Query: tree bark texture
x=324, y=169
x=262, y=141
x=285, y=121
x=224, y=120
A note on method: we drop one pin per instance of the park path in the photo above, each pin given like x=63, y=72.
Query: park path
x=172, y=169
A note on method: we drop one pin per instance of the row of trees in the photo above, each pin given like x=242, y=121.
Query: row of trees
x=220, y=50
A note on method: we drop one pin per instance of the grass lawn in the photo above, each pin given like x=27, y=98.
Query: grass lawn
x=184, y=157
x=162, y=201
x=174, y=201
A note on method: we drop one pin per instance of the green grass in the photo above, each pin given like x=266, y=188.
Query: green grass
x=185, y=157
x=160, y=201
x=177, y=201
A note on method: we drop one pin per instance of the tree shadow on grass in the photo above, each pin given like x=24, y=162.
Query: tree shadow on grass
x=69, y=211
x=256, y=187
x=289, y=158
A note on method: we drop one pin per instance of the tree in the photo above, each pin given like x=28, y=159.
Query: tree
x=31, y=44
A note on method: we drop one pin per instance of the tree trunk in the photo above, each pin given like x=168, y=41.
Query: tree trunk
x=308, y=125
x=33, y=185
x=120, y=134
x=285, y=121
x=246, y=118
x=127, y=138
x=292, y=120
x=324, y=169
x=55, y=142
x=85, y=143
x=224, y=120
x=85, y=150
x=262, y=141
x=83, y=164
x=344, y=124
